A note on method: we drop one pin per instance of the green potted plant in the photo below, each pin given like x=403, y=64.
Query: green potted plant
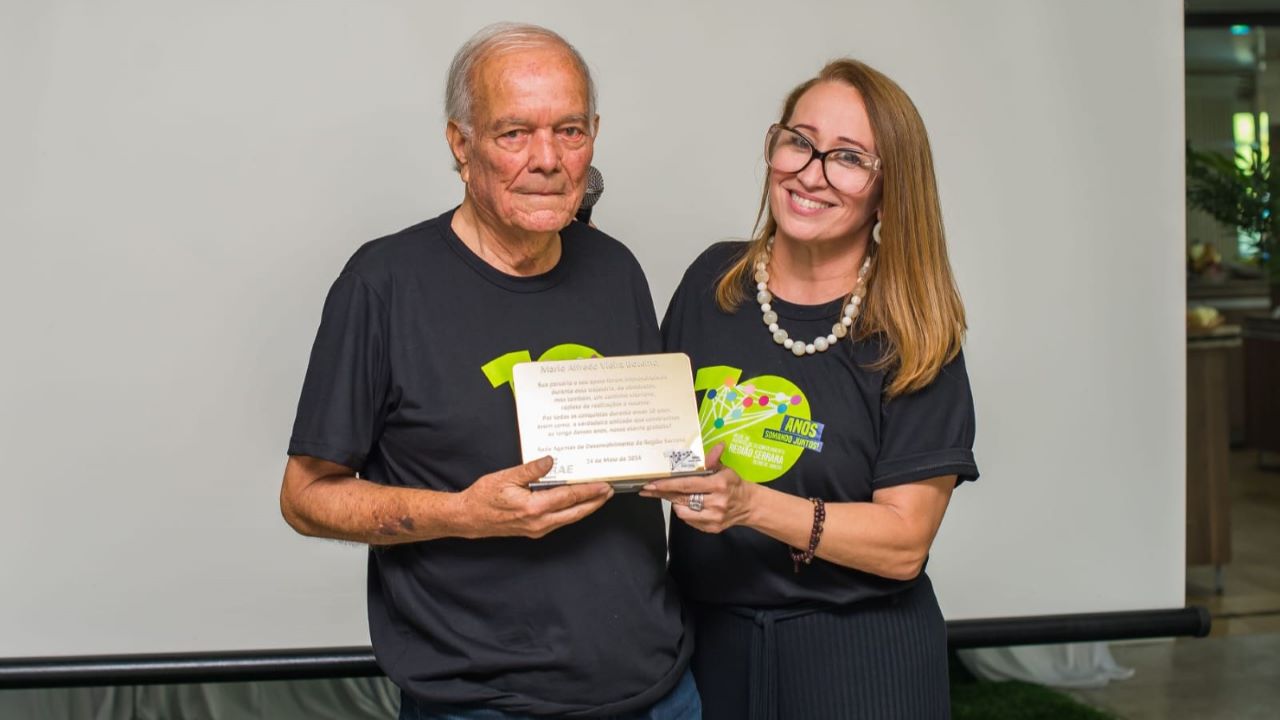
x=1242, y=193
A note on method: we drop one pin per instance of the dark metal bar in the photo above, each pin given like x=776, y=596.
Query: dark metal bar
x=1048, y=629
x=187, y=668
x=359, y=662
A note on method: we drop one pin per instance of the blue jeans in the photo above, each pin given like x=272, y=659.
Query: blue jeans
x=682, y=703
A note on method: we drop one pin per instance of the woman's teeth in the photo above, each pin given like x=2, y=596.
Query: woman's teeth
x=807, y=203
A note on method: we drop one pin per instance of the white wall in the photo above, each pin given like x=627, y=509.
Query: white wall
x=183, y=180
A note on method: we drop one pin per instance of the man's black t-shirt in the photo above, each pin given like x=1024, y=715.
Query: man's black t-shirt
x=814, y=426
x=409, y=384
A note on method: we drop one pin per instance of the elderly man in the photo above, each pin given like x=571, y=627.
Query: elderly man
x=488, y=600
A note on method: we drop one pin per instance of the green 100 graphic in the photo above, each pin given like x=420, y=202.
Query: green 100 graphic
x=498, y=370
x=764, y=422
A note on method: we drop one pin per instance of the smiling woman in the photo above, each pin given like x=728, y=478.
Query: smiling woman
x=874, y=421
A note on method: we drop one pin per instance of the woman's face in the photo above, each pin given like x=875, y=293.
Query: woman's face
x=804, y=205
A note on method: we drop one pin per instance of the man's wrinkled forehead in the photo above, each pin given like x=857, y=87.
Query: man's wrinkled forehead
x=528, y=76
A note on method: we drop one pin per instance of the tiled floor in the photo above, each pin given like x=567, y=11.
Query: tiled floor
x=1218, y=678
x=1235, y=673
x=1251, y=601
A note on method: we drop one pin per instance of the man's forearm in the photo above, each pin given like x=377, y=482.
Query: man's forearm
x=324, y=499
x=345, y=507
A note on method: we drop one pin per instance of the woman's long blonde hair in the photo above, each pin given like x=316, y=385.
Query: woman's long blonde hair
x=912, y=299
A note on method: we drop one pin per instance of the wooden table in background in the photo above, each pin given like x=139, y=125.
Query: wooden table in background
x=1262, y=384
x=1208, y=448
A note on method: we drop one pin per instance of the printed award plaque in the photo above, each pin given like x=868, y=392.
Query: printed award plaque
x=623, y=420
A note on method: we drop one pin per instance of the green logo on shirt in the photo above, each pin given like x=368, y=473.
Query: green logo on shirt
x=764, y=422
x=498, y=370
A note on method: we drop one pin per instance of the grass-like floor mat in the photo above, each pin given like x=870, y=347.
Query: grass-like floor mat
x=1017, y=701
x=973, y=699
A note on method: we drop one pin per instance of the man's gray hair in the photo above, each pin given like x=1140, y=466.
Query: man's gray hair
x=459, y=93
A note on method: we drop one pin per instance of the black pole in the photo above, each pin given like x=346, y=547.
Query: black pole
x=187, y=668
x=359, y=662
x=1048, y=629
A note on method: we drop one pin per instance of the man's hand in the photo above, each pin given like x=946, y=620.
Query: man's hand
x=501, y=504
x=324, y=499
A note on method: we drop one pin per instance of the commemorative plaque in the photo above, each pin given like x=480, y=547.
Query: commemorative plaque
x=623, y=420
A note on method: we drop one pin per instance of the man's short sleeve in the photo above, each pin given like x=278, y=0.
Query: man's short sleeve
x=343, y=403
x=928, y=433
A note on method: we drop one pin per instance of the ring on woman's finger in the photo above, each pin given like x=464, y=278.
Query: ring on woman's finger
x=695, y=502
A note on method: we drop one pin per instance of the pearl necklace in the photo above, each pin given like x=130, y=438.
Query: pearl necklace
x=822, y=342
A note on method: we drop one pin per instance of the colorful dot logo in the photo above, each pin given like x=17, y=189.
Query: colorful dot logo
x=743, y=416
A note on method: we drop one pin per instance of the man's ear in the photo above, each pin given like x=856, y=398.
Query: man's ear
x=595, y=126
x=460, y=146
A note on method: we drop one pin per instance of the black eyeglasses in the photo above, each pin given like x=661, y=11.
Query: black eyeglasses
x=846, y=169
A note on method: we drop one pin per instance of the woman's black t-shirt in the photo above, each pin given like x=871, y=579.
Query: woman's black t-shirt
x=814, y=426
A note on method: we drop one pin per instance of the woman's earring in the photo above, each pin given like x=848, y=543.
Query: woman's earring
x=875, y=232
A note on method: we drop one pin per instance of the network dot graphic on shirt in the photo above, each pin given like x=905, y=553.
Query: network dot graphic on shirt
x=732, y=407
x=750, y=418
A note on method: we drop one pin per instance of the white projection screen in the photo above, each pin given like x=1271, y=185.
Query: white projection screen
x=182, y=181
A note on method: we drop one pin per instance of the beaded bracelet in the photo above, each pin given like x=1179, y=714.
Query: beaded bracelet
x=819, y=516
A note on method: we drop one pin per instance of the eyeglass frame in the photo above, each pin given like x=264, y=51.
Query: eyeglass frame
x=821, y=156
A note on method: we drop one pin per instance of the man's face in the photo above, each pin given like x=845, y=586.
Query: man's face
x=525, y=161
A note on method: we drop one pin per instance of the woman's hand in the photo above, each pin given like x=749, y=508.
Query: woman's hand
x=725, y=498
